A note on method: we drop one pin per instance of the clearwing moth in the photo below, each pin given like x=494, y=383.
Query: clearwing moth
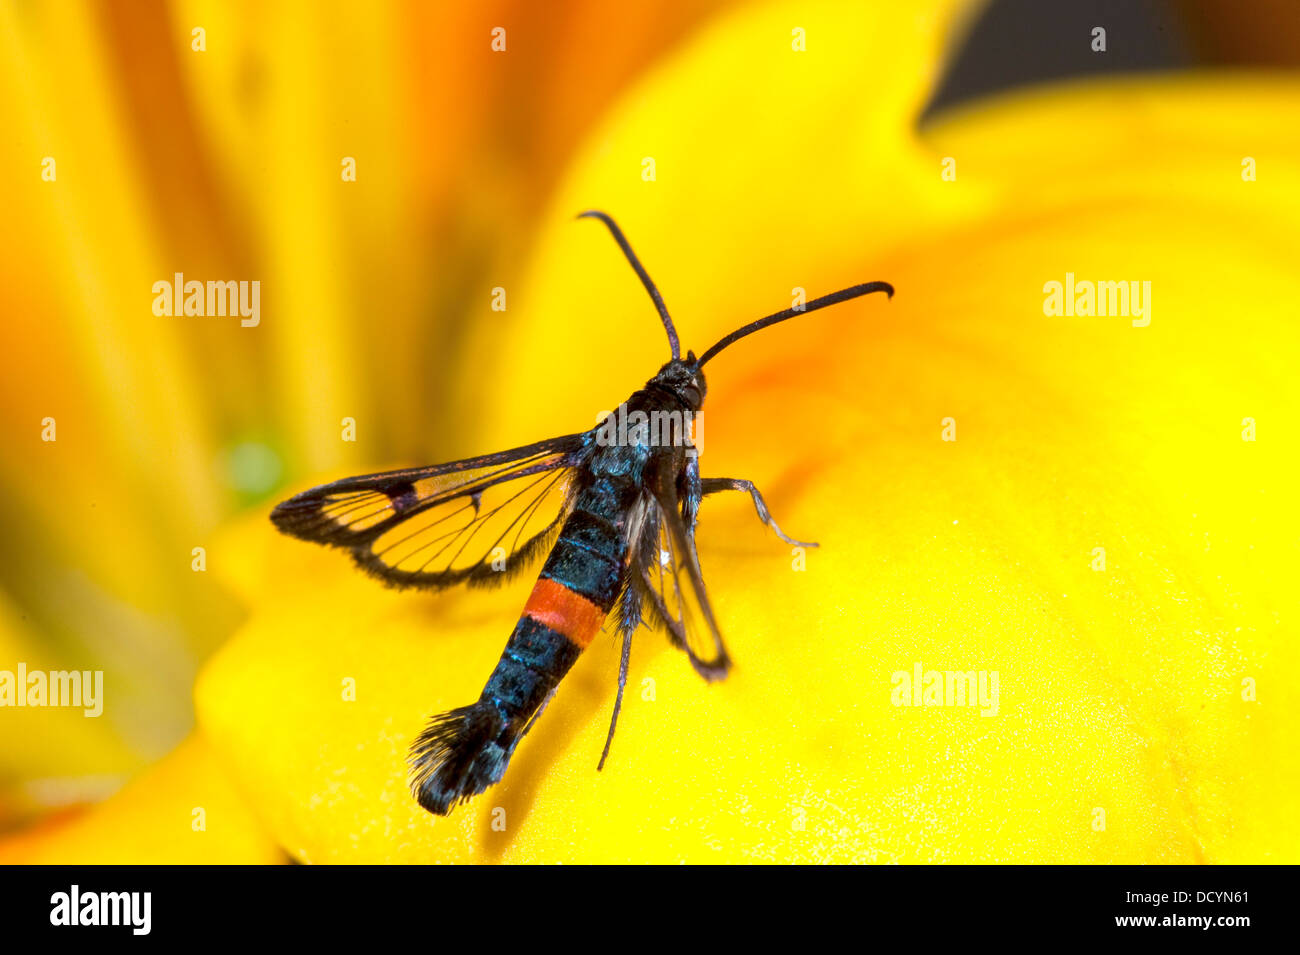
x=613, y=509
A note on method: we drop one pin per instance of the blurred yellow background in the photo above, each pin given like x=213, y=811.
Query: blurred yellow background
x=137, y=148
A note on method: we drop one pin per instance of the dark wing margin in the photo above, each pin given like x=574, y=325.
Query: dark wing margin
x=476, y=521
x=669, y=578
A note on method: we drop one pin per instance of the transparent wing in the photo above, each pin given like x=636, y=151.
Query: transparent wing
x=476, y=521
x=672, y=584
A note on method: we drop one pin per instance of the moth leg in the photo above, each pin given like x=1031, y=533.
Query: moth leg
x=629, y=620
x=540, y=710
x=690, y=493
x=713, y=485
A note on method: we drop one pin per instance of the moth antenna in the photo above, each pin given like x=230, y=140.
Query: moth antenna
x=641, y=274
x=843, y=295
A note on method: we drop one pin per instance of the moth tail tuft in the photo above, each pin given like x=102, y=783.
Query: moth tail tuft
x=457, y=756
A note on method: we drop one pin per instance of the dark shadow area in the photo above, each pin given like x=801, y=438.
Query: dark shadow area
x=1017, y=43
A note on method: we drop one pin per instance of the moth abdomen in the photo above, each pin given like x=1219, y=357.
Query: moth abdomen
x=463, y=752
x=458, y=755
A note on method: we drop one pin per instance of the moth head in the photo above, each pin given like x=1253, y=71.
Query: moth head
x=683, y=377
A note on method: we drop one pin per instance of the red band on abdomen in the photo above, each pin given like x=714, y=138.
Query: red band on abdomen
x=564, y=611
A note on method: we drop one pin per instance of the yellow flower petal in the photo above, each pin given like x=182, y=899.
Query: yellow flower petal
x=181, y=812
x=35, y=776
x=1120, y=690
x=1125, y=691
